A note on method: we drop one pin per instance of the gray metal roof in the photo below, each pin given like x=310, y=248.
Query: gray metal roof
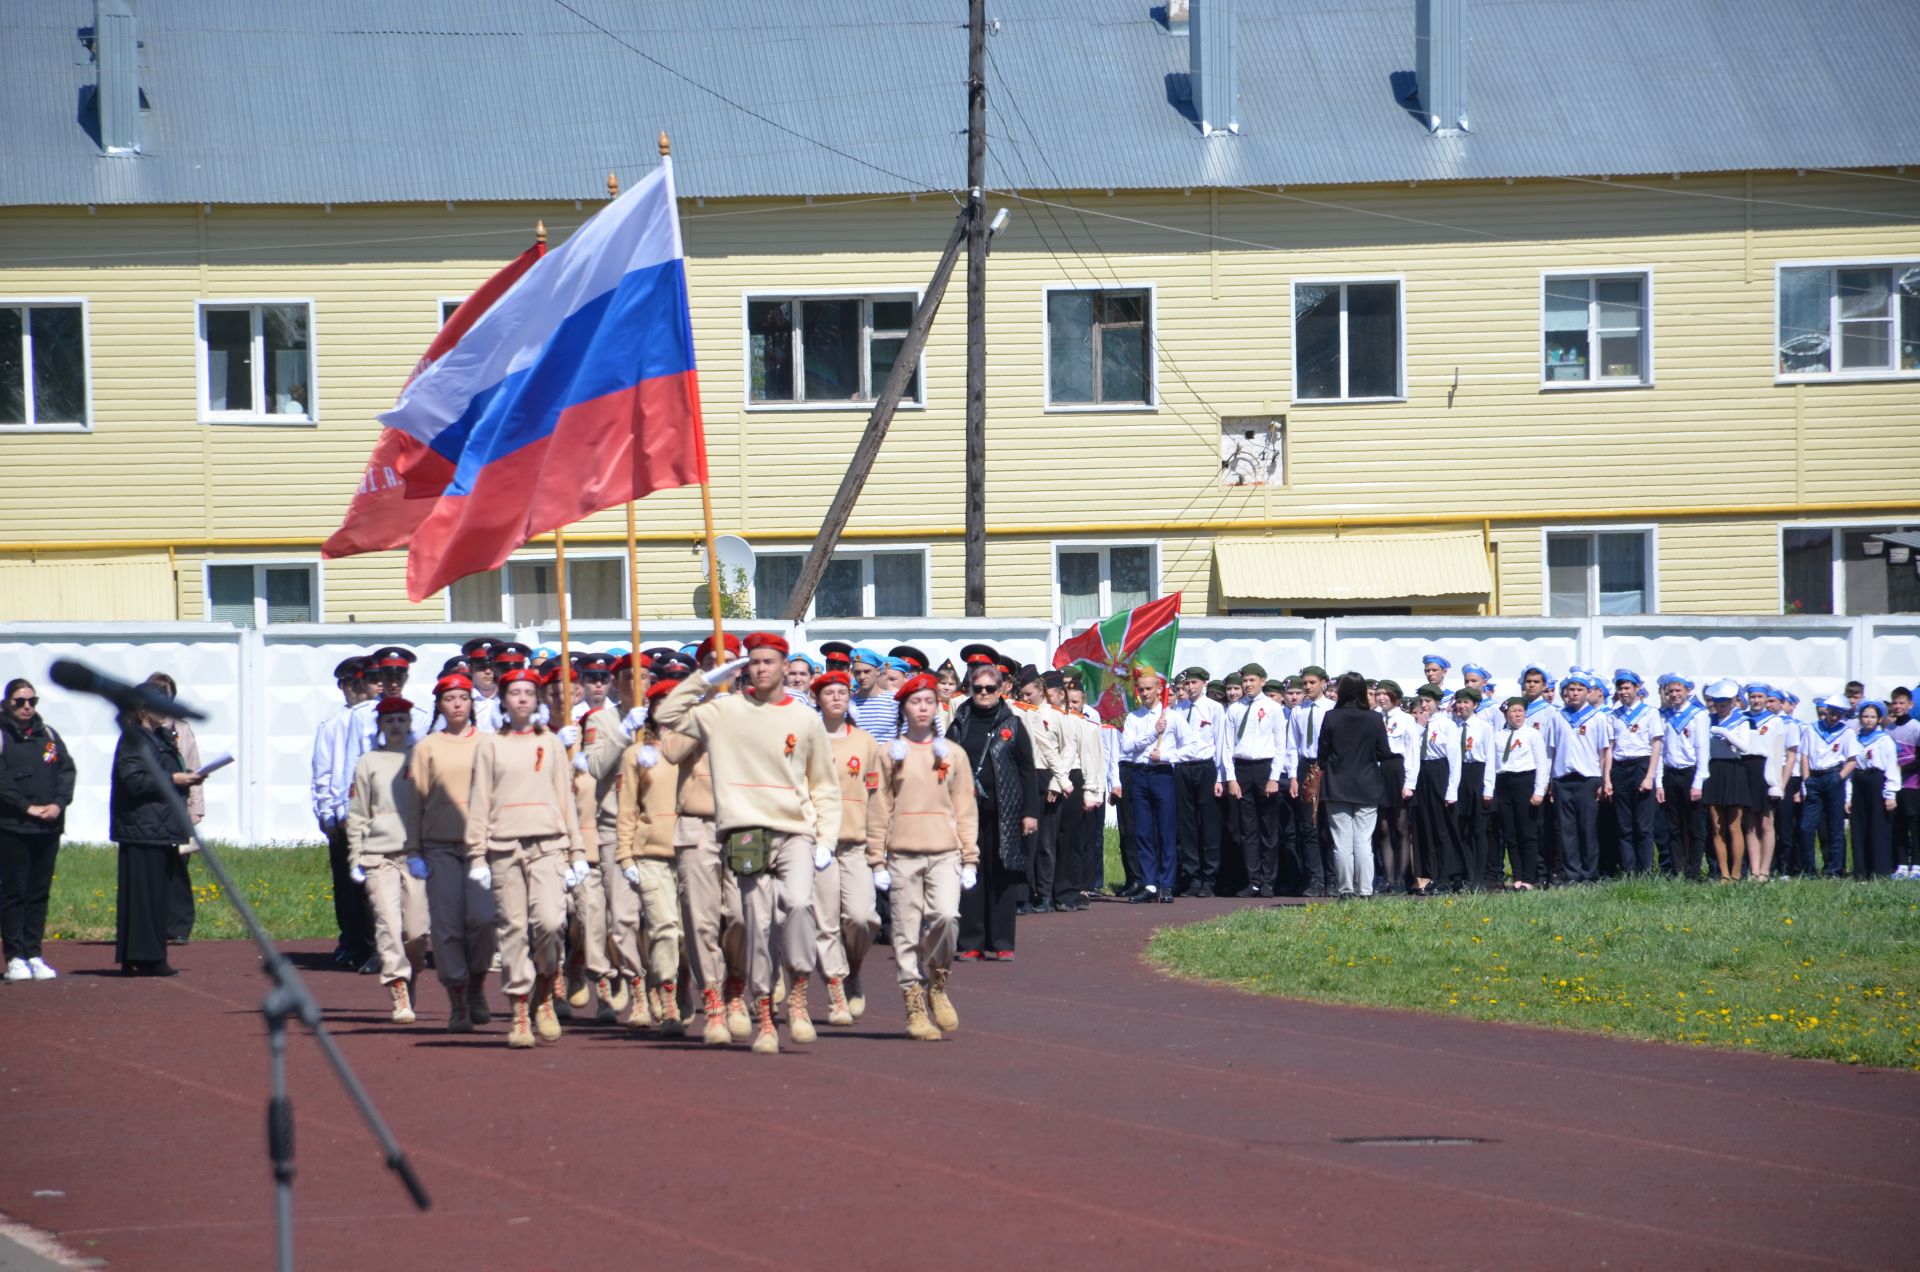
x=348, y=101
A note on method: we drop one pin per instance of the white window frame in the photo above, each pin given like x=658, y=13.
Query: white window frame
x=509, y=619
x=24, y=303
x=440, y=312
x=1105, y=548
x=1649, y=530
x=867, y=294
x=316, y=567
x=1836, y=558
x=866, y=552
x=1836, y=375
x=200, y=307
x=1152, y=404
x=1595, y=381
x=1293, y=331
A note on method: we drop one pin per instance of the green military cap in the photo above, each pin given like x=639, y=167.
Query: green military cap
x=1468, y=694
x=1321, y=672
x=1390, y=687
x=1431, y=691
x=1195, y=673
x=1273, y=689
x=1254, y=669
x=1515, y=701
x=1294, y=682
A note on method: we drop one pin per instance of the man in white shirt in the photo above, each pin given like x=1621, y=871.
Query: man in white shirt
x=332, y=781
x=1200, y=778
x=1636, y=771
x=1521, y=770
x=1582, y=763
x=1683, y=775
x=1832, y=752
x=1048, y=730
x=1256, y=744
x=1312, y=844
x=1476, y=787
x=1433, y=777
x=1152, y=735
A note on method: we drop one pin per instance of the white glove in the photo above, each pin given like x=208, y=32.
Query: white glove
x=635, y=721
x=724, y=672
x=632, y=873
x=881, y=879
x=417, y=867
x=357, y=874
x=822, y=857
x=481, y=873
x=576, y=874
x=569, y=735
x=580, y=762
x=969, y=875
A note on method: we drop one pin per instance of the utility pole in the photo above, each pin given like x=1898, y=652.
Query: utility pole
x=976, y=557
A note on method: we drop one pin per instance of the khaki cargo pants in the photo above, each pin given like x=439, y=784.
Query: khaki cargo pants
x=399, y=904
x=778, y=908
x=530, y=891
x=845, y=912
x=926, y=912
x=710, y=900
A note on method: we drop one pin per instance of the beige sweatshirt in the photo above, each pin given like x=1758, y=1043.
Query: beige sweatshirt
x=382, y=810
x=442, y=772
x=772, y=763
x=648, y=802
x=856, y=758
x=689, y=758
x=603, y=739
x=522, y=790
x=923, y=805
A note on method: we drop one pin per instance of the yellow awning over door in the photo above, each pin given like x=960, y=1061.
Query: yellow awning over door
x=1315, y=570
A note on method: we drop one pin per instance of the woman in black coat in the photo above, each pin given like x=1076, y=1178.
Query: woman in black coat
x=1353, y=746
x=148, y=826
x=1008, y=789
x=36, y=785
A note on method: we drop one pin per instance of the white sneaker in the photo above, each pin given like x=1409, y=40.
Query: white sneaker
x=1904, y=872
x=17, y=970
x=40, y=969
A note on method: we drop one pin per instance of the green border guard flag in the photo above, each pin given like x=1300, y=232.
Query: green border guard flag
x=1104, y=656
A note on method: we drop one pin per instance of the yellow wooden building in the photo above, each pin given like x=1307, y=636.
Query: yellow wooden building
x=1339, y=358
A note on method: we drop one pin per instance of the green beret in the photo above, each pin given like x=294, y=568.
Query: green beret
x=1294, y=682
x=1468, y=694
x=1431, y=691
x=1391, y=687
x=1321, y=672
x=1515, y=701
x=1195, y=673
x=1254, y=669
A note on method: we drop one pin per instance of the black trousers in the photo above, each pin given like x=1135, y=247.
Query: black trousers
x=180, y=913
x=1633, y=815
x=987, y=908
x=1788, y=859
x=1470, y=823
x=1070, y=872
x=1129, y=847
x=1552, y=864
x=1872, y=825
x=352, y=912
x=1259, y=816
x=1519, y=823
x=1044, y=860
x=1232, y=874
x=140, y=908
x=1906, y=828
x=26, y=881
x=1196, y=825
x=1436, y=854
x=1686, y=823
x=1577, y=800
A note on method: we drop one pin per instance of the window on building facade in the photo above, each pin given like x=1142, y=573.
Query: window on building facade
x=1608, y=572
x=526, y=593
x=1346, y=341
x=1094, y=581
x=856, y=584
x=1099, y=348
x=1596, y=330
x=447, y=309
x=256, y=595
x=826, y=350
x=43, y=364
x=1850, y=569
x=256, y=362
x=1848, y=320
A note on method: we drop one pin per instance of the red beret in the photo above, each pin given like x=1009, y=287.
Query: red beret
x=393, y=706
x=706, y=646
x=767, y=640
x=519, y=674
x=826, y=678
x=914, y=685
x=446, y=683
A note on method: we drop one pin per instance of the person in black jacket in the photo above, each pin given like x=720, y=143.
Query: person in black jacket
x=1353, y=746
x=1008, y=789
x=36, y=785
x=149, y=828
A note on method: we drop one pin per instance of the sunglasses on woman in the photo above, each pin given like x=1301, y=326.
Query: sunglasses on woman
x=23, y=702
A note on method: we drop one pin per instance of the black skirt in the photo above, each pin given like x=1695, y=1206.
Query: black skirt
x=140, y=910
x=1393, y=775
x=1726, y=785
x=1759, y=796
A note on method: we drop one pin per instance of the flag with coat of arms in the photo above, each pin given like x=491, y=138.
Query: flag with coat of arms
x=1105, y=656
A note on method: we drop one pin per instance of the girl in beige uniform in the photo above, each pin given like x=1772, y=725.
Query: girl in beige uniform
x=524, y=843
x=460, y=911
x=923, y=846
x=844, y=906
x=383, y=817
x=649, y=788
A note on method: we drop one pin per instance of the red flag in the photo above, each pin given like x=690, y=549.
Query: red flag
x=404, y=475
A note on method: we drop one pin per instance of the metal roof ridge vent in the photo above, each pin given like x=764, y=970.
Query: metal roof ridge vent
x=1212, y=46
x=1440, y=59
x=116, y=60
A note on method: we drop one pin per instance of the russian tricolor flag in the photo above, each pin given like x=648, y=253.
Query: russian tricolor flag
x=575, y=392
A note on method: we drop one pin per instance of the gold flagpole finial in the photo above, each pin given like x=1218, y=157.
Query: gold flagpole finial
x=666, y=147
x=613, y=186
x=540, y=232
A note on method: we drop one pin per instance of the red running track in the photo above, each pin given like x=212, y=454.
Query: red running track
x=1090, y=1113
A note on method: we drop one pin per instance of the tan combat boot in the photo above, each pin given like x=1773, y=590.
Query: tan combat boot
x=459, y=1019
x=766, y=1041
x=477, y=1009
x=919, y=1027
x=668, y=1016
x=737, y=1022
x=939, y=1005
x=621, y=998
x=799, y=1020
x=520, y=1032
x=717, y=1034
x=837, y=1010
x=603, y=991
x=402, y=1003
x=856, y=997
x=546, y=1021
x=641, y=1017
x=557, y=994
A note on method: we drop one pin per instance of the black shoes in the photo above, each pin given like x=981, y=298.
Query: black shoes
x=1145, y=896
x=1166, y=898
x=1041, y=907
x=1023, y=908
x=1248, y=891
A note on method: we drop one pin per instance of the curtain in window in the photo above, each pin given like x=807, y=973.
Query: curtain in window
x=598, y=589
x=1623, y=573
x=1079, y=587
x=1569, y=557
x=229, y=359
x=899, y=585
x=230, y=594
x=289, y=386
x=535, y=599
x=290, y=595
x=1622, y=321
x=476, y=598
x=1131, y=578
x=1566, y=329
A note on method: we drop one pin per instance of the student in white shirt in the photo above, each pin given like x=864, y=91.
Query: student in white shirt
x=1831, y=753
x=1636, y=771
x=1392, y=837
x=1521, y=771
x=1200, y=778
x=1312, y=842
x=1256, y=766
x=1582, y=765
x=1151, y=737
x=1728, y=795
x=1683, y=776
x=1876, y=787
x=1776, y=751
x=1434, y=777
x=1472, y=810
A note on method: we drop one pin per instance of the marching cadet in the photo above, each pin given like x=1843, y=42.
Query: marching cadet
x=586, y=964
x=801, y=669
x=1047, y=729
x=1522, y=768
x=1200, y=779
x=1152, y=735
x=332, y=775
x=486, y=691
x=923, y=850
x=1434, y=790
x=1399, y=775
x=777, y=805
x=1254, y=737
x=1476, y=788
x=948, y=691
x=387, y=669
x=1582, y=768
x=1636, y=771
x=524, y=844
x=873, y=708
x=845, y=908
x=1832, y=753
x=1727, y=793
x=1875, y=793
x=647, y=787
x=1312, y=850
x=460, y=913
x=603, y=740
x=1685, y=748
x=383, y=812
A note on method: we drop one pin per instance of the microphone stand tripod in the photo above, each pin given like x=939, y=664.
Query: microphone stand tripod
x=288, y=999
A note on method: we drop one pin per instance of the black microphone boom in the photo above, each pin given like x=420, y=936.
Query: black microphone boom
x=123, y=694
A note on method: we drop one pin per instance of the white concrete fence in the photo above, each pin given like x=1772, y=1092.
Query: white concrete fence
x=264, y=691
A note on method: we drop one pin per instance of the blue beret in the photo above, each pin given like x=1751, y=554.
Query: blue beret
x=1627, y=674
x=1437, y=661
x=861, y=654
x=1475, y=669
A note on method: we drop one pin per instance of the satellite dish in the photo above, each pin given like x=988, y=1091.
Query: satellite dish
x=736, y=559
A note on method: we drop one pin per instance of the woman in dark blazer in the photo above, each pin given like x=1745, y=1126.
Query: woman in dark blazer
x=149, y=829
x=1353, y=746
x=36, y=785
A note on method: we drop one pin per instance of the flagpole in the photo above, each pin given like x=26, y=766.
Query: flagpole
x=633, y=534
x=566, y=652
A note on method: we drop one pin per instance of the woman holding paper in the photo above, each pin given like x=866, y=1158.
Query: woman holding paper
x=179, y=880
x=149, y=827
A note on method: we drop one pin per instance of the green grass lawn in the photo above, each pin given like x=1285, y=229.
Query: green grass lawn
x=290, y=887
x=1822, y=969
